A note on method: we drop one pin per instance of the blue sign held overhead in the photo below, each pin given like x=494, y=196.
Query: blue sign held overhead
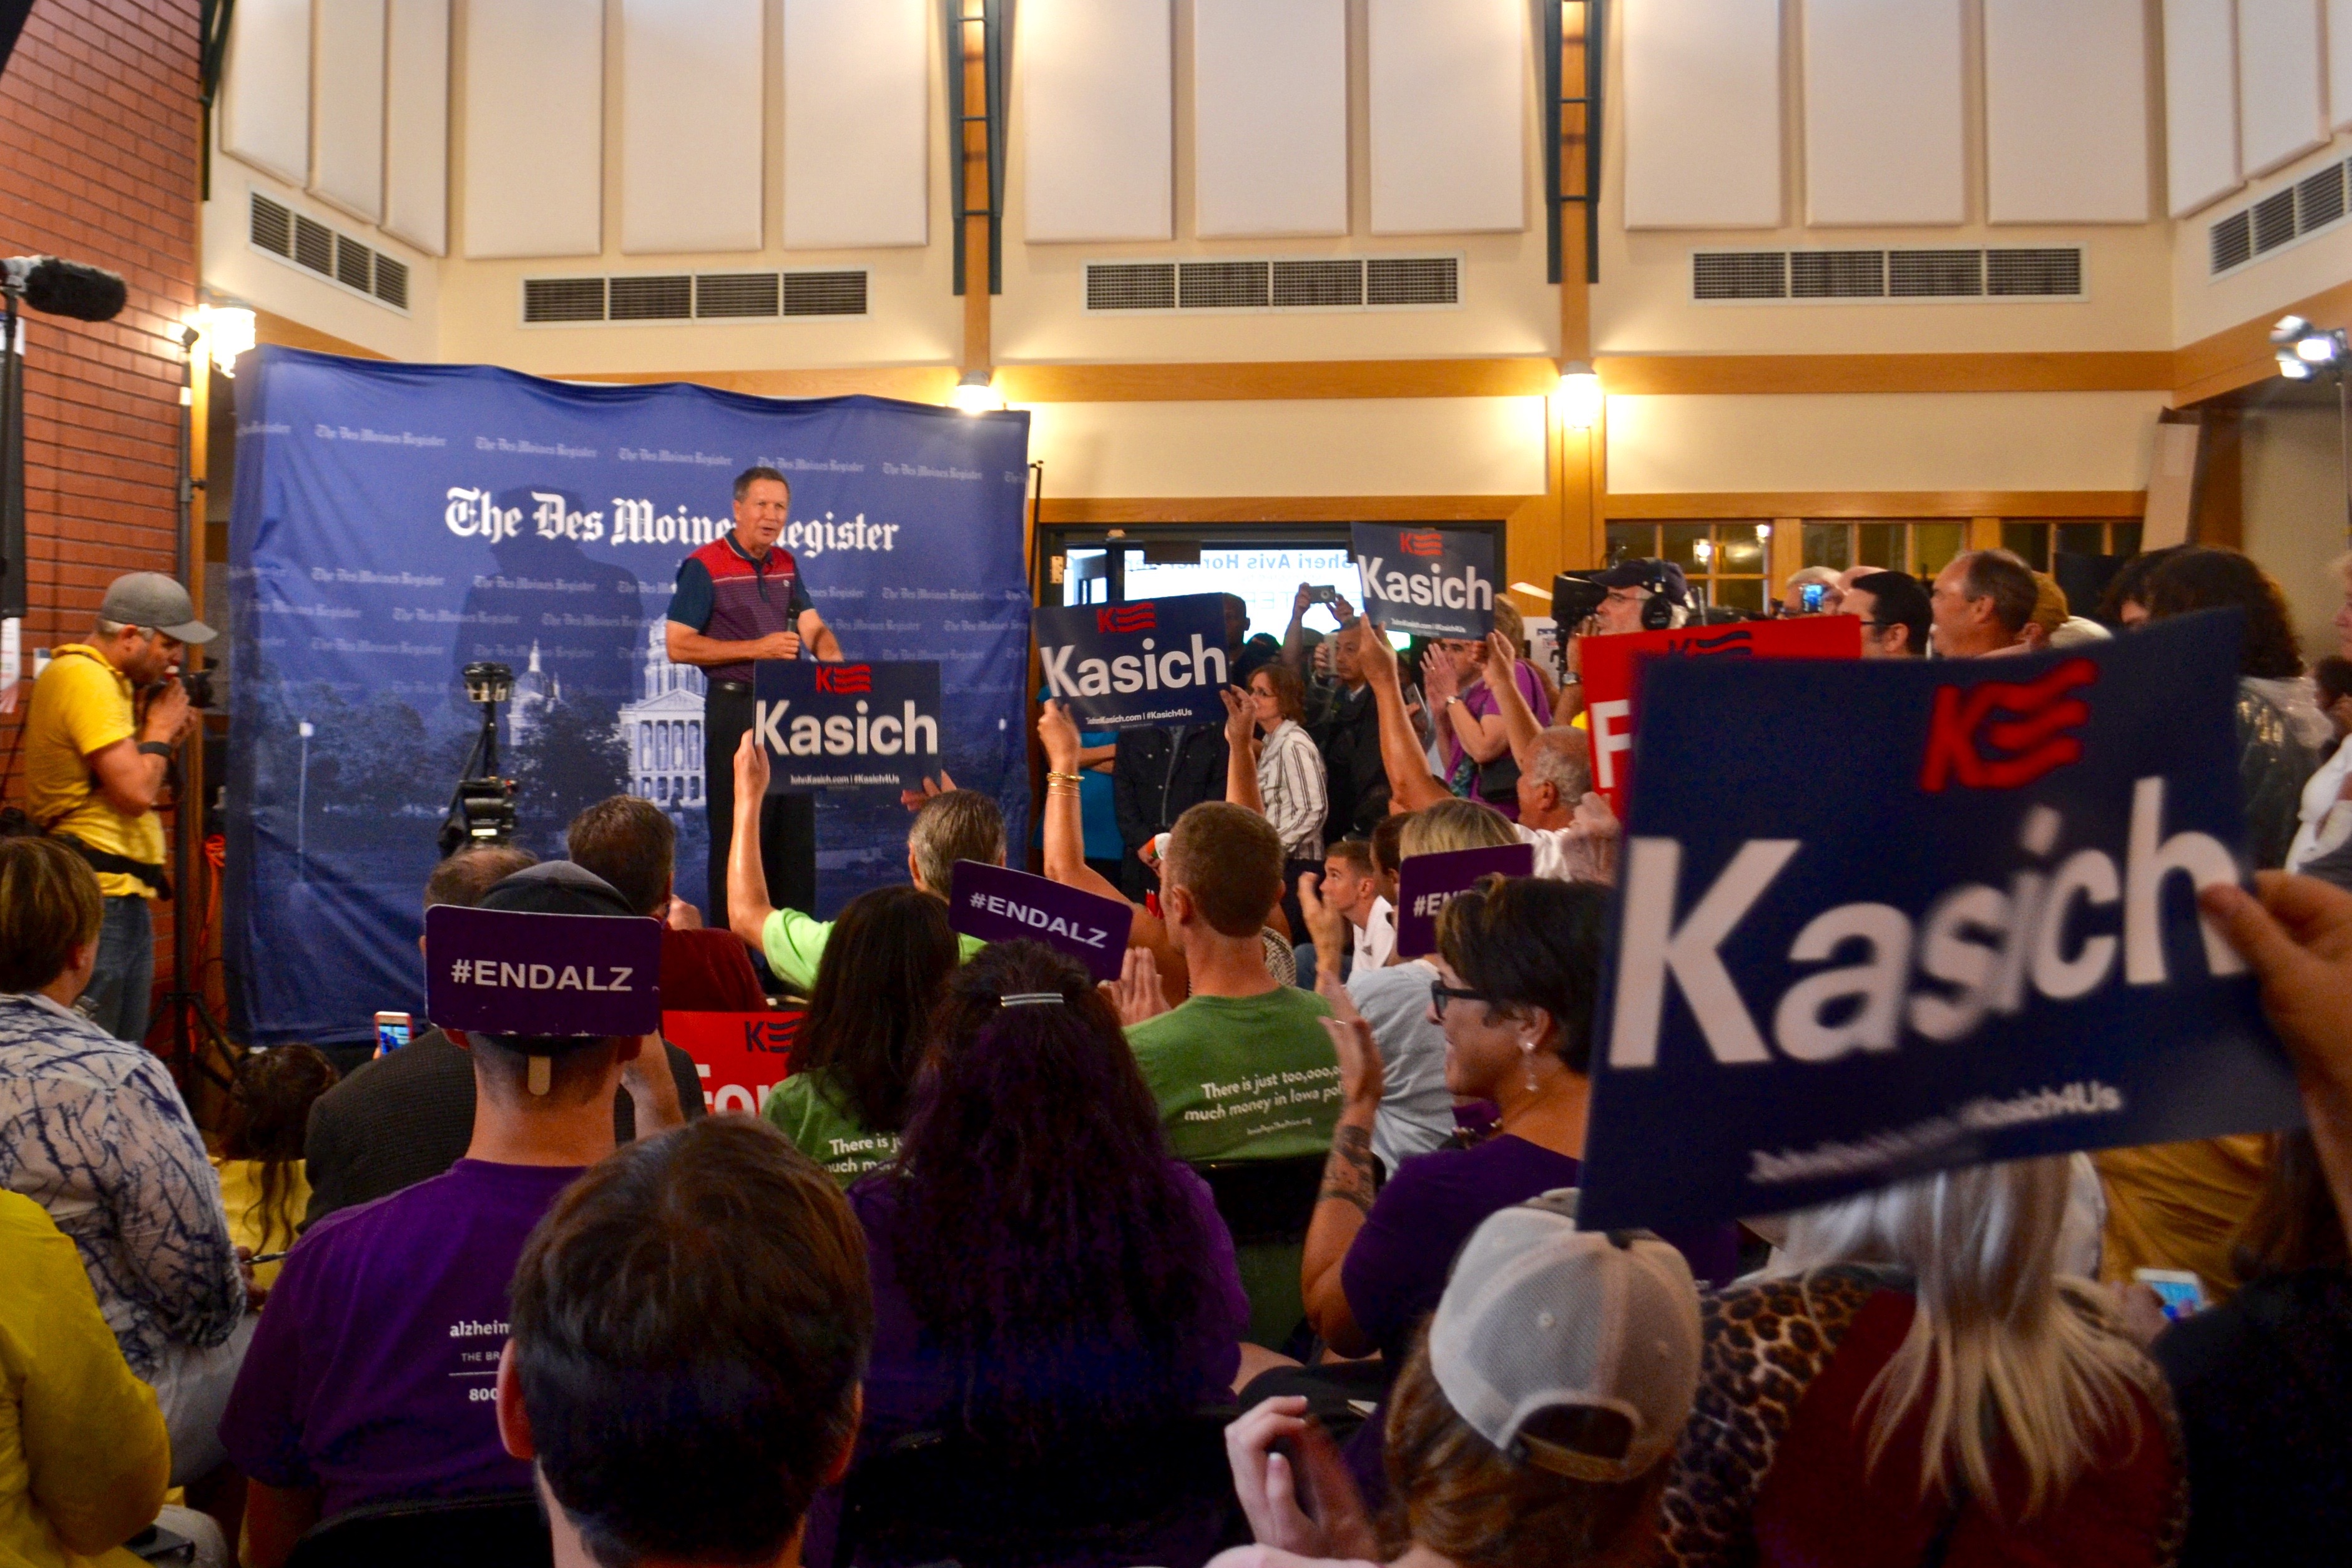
x=865, y=727
x=1129, y=667
x=1433, y=581
x=1974, y=938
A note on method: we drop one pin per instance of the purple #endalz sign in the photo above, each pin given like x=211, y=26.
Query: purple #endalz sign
x=503, y=972
x=1129, y=667
x=1427, y=883
x=995, y=904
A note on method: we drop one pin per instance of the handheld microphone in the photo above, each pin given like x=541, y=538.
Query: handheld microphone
x=66, y=288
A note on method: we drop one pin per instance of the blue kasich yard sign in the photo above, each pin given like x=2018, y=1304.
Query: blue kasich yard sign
x=1129, y=667
x=866, y=727
x=1974, y=939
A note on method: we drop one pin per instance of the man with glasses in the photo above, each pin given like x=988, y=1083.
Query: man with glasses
x=1895, y=612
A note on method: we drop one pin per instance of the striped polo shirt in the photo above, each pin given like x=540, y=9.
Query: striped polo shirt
x=728, y=596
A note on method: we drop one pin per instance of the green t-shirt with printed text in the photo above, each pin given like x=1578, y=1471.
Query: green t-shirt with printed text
x=1242, y=1078
x=820, y=1127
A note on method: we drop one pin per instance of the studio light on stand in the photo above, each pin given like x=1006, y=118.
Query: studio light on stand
x=481, y=809
x=977, y=394
x=2306, y=353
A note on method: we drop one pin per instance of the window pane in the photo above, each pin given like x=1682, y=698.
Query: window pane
x=1738, y=593
x=1880, y=544
x=2081, y=538
x=1736, y=548
x=1682, y=541
x=1828, y=545
x=2122, y=539
x=1933, y=544
x=2030, y=540
x=1631, y=541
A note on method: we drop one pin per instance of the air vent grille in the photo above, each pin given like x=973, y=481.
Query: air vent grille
x=691, y=297
x=272, y=226
x=1934, y=274
x=1289, y=283
x=667, y=298
x=1318, y=285
x=736, y=294
x=1739, y=275
x=2316, y=202
x=1225, y=285
x=1413, y=281
x=1130, y=286
x=1735, y=277
x=314, y=246
x=2232, y=240
x=354, y=265
x=1837, y=274
x=2049, y=272
x=550, y=299
x=825, y=293
x=392, y=281
x=278, y=229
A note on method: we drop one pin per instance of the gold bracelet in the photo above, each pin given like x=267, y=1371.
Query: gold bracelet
x=1073, y=779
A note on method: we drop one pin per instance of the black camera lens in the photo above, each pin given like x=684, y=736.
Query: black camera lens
x=198, y=684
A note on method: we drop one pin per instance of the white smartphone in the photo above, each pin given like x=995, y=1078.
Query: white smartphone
x=392, y=1031
x=2183, y=1293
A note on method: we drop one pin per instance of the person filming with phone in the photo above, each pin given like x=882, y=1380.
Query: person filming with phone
x=107, y=715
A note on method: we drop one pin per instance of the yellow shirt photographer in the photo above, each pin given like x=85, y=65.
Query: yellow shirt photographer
x=96, y=754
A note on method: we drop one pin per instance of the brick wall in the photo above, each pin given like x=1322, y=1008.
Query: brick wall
x=98, y=163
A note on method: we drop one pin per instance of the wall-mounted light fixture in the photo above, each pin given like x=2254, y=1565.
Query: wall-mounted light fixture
x=977, y=394
x=1580, y=394
x=226, y=331
x=2306, y=353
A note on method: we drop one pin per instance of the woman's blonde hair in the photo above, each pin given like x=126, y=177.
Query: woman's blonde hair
x=49, y=905
x=2002, y=1354
x=1456, y=1494
x=1454, y=824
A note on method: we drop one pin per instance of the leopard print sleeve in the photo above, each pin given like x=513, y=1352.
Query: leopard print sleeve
x=1765, y=1343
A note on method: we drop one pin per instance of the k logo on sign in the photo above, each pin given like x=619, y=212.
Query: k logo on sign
x=1125, y=618
x=844, y=678
x=1424, y=542
x=2031, y=742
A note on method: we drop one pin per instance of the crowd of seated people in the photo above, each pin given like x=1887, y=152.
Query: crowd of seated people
x=980, y=1217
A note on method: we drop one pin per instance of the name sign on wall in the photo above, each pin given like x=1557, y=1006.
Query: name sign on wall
x=1127, y=667
x=504, y=972
x=997, y=904
x=1973, y=938
x=1613, y=672
x=863, y=727
x=1427, y=883
x=1433, y=581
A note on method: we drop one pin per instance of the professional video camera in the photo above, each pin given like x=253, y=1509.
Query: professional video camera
x=481, y=809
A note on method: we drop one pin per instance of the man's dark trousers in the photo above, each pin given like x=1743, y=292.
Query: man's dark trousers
x=787, y=822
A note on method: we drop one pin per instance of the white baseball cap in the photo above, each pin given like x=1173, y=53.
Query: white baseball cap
x=1539, y=1315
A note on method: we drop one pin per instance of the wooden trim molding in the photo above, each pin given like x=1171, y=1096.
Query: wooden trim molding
x=1767, y=505
x=286, y=333
x=912, y=382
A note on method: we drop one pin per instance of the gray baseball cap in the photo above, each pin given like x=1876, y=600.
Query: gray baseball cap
x=152, y=599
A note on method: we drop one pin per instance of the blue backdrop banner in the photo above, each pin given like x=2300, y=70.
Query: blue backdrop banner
x=1969, y=935
x=394, y=521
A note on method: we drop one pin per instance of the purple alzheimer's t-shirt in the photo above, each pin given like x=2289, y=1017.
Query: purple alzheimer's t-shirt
x=1397, y=1267
x=374, y=1372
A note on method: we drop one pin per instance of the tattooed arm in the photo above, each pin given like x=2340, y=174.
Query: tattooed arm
x=1346, y=1197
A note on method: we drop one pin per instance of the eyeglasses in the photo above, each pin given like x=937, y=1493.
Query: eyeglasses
x=1441, y=992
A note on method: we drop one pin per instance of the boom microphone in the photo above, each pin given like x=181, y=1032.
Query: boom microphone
x=64, y=287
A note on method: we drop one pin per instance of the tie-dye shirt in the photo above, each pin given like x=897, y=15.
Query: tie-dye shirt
x=94, y=1131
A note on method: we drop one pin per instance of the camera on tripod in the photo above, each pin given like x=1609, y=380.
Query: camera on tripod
x=197, y=680
x=482, y=809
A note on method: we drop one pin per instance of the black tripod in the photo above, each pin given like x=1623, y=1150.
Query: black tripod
x=481, y=808
x=197, y=1038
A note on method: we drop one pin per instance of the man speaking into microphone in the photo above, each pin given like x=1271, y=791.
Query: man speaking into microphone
x=740, y=598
